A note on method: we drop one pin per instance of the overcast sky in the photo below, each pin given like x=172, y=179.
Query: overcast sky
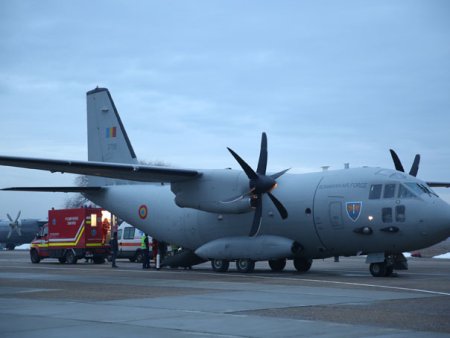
x=329, y=81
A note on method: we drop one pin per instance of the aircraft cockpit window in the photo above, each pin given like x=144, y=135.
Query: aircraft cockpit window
x=375, y=191
x=389, y=191
x=420, y=189
x=403, y=192
x=398, y=176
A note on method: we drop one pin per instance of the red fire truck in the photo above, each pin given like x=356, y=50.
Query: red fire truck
x=72, y=234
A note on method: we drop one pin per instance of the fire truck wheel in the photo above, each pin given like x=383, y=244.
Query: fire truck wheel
x=70, y=257
x=34, y=257
x=62, y=260
x=99, y=260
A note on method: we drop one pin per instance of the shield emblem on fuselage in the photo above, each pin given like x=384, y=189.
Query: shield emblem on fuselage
x=353, y=210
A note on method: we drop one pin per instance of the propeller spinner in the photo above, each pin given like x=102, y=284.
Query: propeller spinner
x=261, y=184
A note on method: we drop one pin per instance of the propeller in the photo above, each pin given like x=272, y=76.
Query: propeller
x=398, y=164
x=14, y=225
x=260, y=184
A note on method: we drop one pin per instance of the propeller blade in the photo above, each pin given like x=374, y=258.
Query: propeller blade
x=415, y=166
x=281, y=209
x=19, y=231
x=275, y=176
x=18, y=215
x=9, y=233
x=10, y=218
x=262, y=162
x=397, y=162
x=248, y=171
x=257, y=217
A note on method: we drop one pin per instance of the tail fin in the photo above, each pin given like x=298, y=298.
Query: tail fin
x=107, y=139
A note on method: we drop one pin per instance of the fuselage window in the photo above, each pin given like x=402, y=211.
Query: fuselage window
x=387, y=215
x=403, y=192
x=400, y=213
x=389, y=191
x=375, y=191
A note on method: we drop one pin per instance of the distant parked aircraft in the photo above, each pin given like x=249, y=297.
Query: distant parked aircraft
x=17, y=232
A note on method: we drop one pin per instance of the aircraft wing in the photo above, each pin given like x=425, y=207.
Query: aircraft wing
x=132, y=172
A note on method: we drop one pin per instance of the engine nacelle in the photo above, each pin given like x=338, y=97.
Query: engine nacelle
x=215, y=191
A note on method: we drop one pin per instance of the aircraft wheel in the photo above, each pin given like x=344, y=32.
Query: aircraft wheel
x=277, y=265
x=34, y=256
x=378, y=269
x=302, y=264
x=245, y=265
x=220, y=265
x=62, y=260
x=70, y=257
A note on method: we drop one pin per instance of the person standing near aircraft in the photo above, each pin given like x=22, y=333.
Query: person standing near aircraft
x=114, y=248
x=146, y=252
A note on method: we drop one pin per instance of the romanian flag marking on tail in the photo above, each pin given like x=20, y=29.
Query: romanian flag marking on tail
x=111, y=132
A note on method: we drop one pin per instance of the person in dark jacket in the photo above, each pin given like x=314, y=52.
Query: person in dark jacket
x=114, y=248
x=145, y=246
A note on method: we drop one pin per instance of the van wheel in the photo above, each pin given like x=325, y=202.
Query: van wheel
x=70, y=257
x=34, y=256
x=138, y=257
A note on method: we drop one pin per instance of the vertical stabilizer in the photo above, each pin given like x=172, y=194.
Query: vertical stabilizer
x=107, y=139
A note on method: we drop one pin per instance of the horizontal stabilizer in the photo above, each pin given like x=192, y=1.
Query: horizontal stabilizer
x=54, y=189
x=132, y=172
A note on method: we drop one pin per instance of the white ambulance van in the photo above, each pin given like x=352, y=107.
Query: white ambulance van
x=129, y=239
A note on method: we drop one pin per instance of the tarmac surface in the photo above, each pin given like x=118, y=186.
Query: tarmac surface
x=341, y=299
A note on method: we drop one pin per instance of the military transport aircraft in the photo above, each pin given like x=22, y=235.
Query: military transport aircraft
x=251, y=215
x=18, y=231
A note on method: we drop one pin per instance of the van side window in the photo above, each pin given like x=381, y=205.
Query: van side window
x=128, y=233
x=389, y=191
x=375, y=191
x=400, y=213
x=386, y=214
x=119, y=234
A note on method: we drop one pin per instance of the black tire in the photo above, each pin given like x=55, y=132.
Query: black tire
x=220, y=265
x=277, y=265
x=10, y=246
x=378, y=269
x=62, y=260
x=389, y=271
x=245, y=265
x=302, y=264
x=98, y=260
x=132, y=259
x=34, y=256
x=139, y=256
x=70, y=257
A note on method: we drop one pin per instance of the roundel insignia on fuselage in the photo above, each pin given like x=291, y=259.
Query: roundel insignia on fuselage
x=143, y=211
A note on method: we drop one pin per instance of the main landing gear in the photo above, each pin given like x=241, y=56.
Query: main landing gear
x=248, y=265
x=383, y=265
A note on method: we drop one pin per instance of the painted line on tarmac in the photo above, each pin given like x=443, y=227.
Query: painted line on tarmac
x=242, y=276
